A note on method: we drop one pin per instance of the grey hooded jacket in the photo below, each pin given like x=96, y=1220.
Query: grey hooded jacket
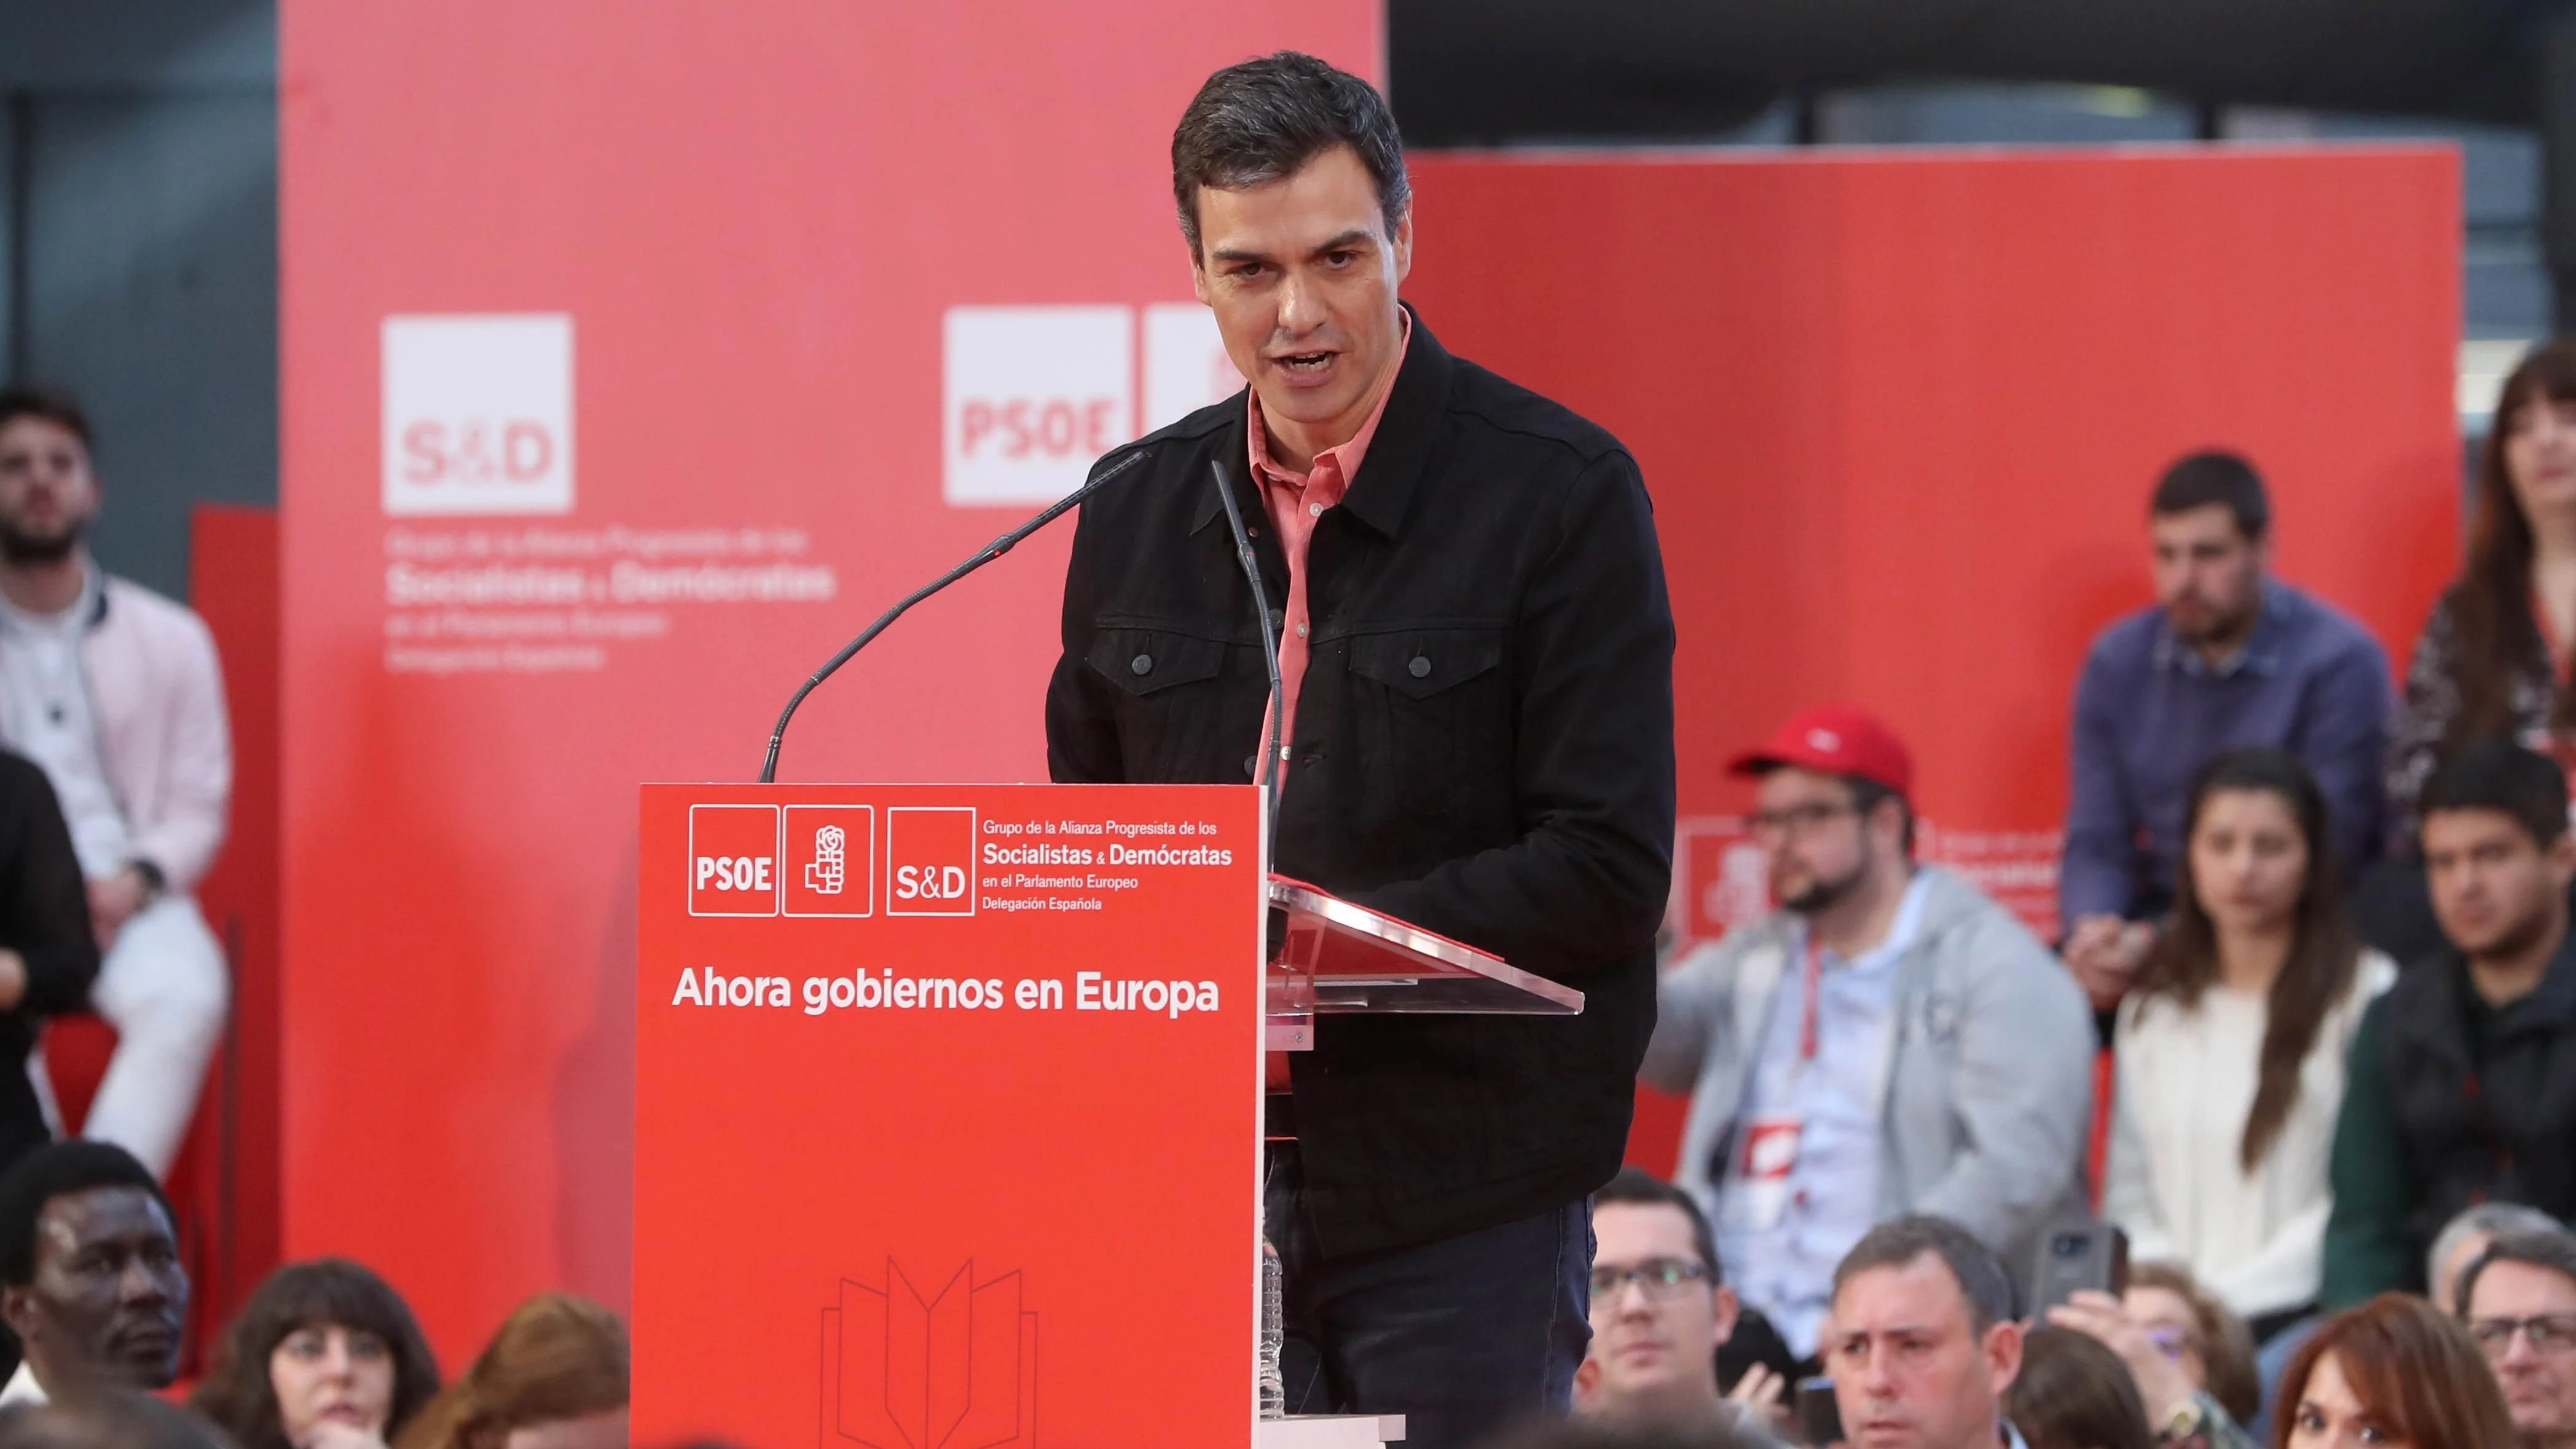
x=1990, y=1089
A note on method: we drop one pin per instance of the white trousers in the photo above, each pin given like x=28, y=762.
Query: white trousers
x=164, y=987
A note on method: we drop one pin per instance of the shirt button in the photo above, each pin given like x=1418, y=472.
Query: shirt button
x=1142, y=664
x=1420, y=668
x=1301, y=631
x=1315, y=510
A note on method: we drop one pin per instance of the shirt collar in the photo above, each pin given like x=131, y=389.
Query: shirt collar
x=1347, y=457
x=1408, y=424
x=2262, y=655
x=1900, y=929
x=86, y=609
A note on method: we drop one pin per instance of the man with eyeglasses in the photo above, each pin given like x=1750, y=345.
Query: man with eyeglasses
x=1660, y=1312
x=2519, y=1302
x=1888, y=1041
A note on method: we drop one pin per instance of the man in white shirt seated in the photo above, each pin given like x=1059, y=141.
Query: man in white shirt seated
x=1660, y=1311
x=90, y=1279
x=116, y=693
x=1889, y=1041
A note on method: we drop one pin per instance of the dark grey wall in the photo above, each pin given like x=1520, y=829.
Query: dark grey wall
x=138, y=184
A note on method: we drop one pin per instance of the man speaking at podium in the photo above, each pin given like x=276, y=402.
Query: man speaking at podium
x=1475, y=651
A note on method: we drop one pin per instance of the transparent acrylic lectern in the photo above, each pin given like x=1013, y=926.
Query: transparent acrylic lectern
x=1330, y=956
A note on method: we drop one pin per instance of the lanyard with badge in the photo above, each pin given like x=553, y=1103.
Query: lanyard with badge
x=1767, y=1159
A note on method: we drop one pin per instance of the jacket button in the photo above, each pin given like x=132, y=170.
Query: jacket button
x=1251, y=764
x=1420, y=668
x=1144, y=663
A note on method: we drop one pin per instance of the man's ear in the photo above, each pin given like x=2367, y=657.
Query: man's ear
x=1401, y=239
x=2562, y=859
x=1729, y=1309
x=17, y=1309
x=2003, y=1355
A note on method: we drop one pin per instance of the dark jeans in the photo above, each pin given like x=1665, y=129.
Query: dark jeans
x=1464, y=1336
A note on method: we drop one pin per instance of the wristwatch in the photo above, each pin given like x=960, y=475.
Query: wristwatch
x=155, y=884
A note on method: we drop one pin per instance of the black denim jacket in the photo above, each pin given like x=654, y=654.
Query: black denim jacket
x=1483, y=746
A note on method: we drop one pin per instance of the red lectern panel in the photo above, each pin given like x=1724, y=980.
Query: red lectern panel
x=948, y=1106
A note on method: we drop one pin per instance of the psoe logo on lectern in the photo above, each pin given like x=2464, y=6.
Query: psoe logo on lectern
x=930, y=860
x=831, y=860
x=733, y=860
x=478, y=414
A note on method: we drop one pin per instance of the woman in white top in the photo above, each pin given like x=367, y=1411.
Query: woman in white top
x=2231, y=1048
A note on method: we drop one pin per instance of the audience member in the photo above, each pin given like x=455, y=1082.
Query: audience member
x=1888, y=1041
x=2226, y=658
x=2463, y=1079
x=98, y=1418
x=2176, y=1403
x=553, y=1377
x=115, y=691
x=1924, y=1343
x=90, y=1279
x=2192, y=1327
x=2391, y=1374
x=1660, y=1308
x=2074, y=1393
x=2518, y=1300
x=2466, y=1236
x=325, y=1355
x=2489, y=662
x=48, y=956
x=2231, y=1049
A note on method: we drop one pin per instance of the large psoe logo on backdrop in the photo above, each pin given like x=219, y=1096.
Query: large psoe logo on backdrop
x=478, y=414
x=1035, y=394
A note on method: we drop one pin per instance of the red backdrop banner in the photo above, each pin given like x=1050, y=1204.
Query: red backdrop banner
x=635, y=355
x=1900, y=414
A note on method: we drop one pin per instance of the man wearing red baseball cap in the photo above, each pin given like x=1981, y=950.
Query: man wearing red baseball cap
x=1887, y=1041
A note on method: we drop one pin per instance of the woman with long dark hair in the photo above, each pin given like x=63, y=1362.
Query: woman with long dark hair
x=2493, y=659
x=2231, y=1048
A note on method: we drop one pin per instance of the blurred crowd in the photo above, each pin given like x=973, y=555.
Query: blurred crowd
x=2273, y=1143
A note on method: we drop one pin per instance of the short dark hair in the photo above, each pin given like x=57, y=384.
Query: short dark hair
x=2503, y=776
x=1637, y=1187
x=56, y=407
x=1264, y=119
x=2554, y=1250
x=1583, y=1433
x=1899, y=1241
x=60, y=1169
x=2215, y=478
x=2073, y=1392
x=238, y=1392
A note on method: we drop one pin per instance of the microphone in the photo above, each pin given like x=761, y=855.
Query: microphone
x=983, y=556
x=1277, y=744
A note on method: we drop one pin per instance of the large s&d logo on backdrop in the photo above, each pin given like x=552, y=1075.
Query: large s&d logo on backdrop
x=1035, y=394
x=478, y=414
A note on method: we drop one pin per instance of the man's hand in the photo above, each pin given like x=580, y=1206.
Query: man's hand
x=2104, y=954
x=13, y=979
x=113, y=902
x=1760, y=1390
x=2162, y=1382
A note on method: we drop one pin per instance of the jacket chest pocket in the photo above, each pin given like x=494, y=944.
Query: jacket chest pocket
x=1430, y=709
x=1169, y=694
